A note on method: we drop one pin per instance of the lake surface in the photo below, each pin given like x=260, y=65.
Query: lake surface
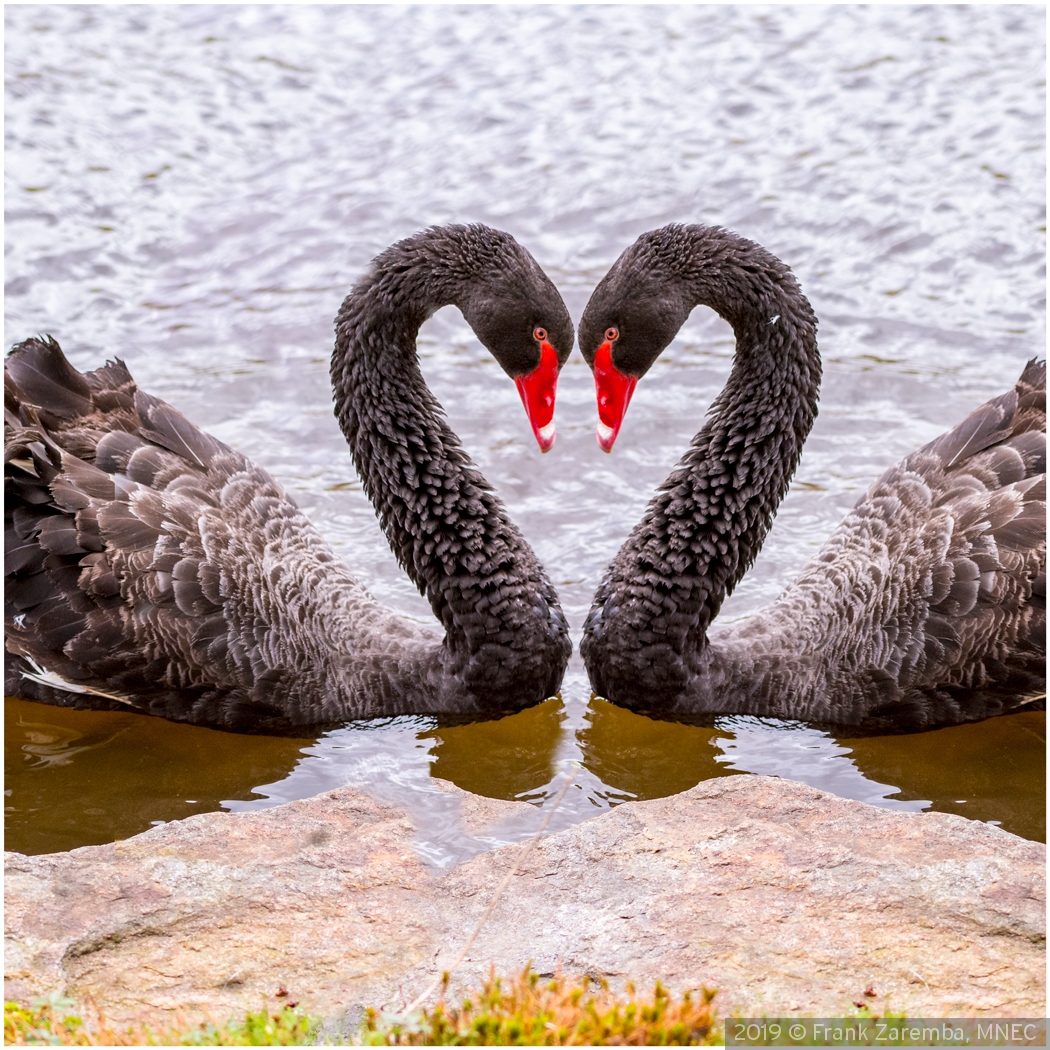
x=195, y=189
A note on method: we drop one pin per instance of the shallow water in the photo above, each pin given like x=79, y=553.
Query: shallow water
x=194, y=189
x=75, y=778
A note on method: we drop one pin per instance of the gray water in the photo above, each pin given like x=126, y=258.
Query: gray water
x=194, y=189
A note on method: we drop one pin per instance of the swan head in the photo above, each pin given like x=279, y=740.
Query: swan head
x=631, y=317
x=518, y=315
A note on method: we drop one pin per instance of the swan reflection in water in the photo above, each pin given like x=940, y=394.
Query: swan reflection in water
x=79, y=778
x=76, y=778
x=993, y=770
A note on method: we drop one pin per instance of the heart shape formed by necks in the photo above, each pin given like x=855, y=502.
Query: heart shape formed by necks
x=537, y=390
x=614, y=390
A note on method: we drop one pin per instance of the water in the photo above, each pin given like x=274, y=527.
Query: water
x=194, y=189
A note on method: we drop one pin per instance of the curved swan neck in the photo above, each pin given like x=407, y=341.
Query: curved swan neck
x=739, y=464
x=719, y=502
x=706, y=523
x=447, y=528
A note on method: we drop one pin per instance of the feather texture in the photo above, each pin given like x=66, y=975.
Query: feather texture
x=925, y=607
x=151, y=565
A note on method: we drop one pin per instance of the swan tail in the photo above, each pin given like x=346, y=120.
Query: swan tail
x=149, y=565
x=927, y=604
x=986, y=625
x=106, y=597
x=1003, y=420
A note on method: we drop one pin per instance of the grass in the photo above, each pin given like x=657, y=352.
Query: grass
x=533, y=1011
x=56, y=1022
x=526, y=1011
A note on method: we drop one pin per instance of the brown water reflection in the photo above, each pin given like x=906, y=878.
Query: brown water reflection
x=993, y=770
x=646, y=758
x=79, y=778
x=511, y=758
x=76, y=778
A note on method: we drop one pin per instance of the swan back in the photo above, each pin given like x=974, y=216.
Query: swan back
x=927, y=605
x=150, y=565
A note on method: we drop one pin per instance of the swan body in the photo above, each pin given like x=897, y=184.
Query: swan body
x=151, y=566
x=925, y=607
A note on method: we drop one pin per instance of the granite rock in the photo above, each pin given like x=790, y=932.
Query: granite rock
x=786, y=899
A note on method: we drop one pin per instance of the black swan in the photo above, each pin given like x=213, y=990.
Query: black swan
x=925, y=607
x=150, y=566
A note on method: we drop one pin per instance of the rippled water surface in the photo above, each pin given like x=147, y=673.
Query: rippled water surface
x=195, y=189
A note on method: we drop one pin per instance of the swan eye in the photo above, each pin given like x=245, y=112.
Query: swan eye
x=612, y=334
x=539, y=334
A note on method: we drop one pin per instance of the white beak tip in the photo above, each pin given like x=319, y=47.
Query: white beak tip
x=545, y=436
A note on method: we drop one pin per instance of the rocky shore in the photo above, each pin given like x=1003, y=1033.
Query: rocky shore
x=786, y=899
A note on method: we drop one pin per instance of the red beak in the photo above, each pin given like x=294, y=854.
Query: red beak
x=614, y=391
x=537, y=395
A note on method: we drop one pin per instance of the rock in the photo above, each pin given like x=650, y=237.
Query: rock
x=786, y=899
